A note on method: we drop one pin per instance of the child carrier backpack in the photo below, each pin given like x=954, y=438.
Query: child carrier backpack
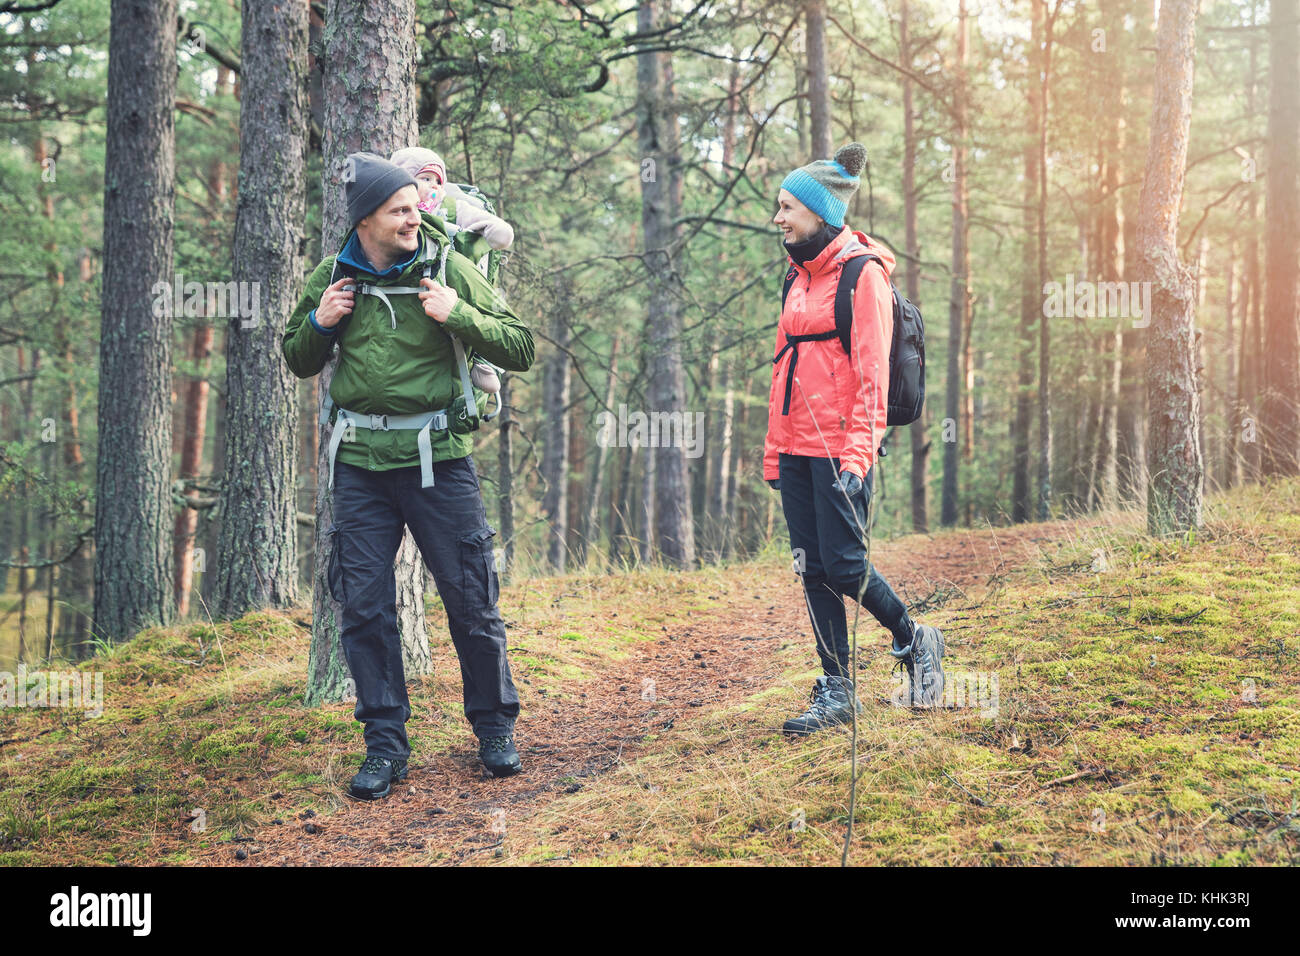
x=470, y=244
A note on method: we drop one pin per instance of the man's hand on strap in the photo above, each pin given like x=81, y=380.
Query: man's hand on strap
x=438, y=300
x=335, y=302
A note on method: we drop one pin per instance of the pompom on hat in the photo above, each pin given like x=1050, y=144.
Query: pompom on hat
x=826, y=185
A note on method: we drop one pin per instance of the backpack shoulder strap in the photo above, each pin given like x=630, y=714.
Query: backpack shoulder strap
x=790, y=275
x=848, y=284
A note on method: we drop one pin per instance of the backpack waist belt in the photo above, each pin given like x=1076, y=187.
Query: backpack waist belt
x=424, y=421
x=792, y=346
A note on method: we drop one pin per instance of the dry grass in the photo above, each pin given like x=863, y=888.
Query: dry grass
x=1147, y=711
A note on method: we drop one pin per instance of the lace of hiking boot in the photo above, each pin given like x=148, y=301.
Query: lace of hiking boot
x=822, y=701
x=498, y=744
x=374, y=764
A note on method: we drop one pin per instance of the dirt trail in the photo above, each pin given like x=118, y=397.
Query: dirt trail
x=709, y=660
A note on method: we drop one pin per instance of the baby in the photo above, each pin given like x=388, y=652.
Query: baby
x=430, y=174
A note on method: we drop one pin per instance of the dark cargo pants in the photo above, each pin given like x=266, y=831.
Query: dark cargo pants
x=451, y=530
x=827, y=539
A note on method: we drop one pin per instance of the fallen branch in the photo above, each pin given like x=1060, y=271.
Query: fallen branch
x=974, y=799
x=1081, y=775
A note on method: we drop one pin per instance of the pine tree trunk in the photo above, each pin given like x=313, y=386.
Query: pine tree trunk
x=724, y=413
x=1252, y=351
x=1111, y=255
x=819, y=94
x=1130, y=418
x=133, y=558
x=1174, y=455
x=74, y=581
x=77, y=594
x=1044, y=326
x=959, y=291
x=195, y=420
x=195, y=409
x=577, y=456
x=591, y=520
x=1231, y=460
x=209, y=526
x=1031, y=303
x=918, y=431
x=1279, y=411
x=1252, y=295
x=556, y=375
x=368, y=62
x=257, y=563
x=670, y=529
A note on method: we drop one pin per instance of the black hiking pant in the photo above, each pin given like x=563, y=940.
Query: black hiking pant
x=450, y=528
x=826, y=535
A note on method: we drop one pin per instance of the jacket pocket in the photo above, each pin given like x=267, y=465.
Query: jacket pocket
x=333, y=568
x=480, y=584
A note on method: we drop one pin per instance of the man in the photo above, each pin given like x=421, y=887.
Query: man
x=400, y=454
x=826, y=417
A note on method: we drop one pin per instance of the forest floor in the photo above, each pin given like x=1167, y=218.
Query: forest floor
x=1146, y=710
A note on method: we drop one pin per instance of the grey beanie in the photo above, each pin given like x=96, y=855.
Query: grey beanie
x=827, y=185
x=368, y=180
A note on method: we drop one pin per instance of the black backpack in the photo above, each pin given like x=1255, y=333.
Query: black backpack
x=906, y=351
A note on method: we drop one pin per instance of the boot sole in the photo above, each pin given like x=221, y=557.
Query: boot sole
x=808, y=731
x=507, y=771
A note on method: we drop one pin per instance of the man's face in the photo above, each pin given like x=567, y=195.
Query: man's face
x=395, y=226
x=798, y=223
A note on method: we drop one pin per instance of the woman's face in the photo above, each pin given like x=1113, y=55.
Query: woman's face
x=798, y=223
x=430, y=184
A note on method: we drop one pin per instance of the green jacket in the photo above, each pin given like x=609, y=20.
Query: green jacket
x=410, y=368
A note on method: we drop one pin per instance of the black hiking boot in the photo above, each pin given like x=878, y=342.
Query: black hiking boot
x=921, y=659
x=375, y=778
x=833, y=701
x=500, y=756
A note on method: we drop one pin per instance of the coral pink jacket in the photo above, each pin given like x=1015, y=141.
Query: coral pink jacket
x=838, y=403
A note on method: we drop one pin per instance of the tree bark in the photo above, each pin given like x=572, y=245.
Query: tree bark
x=556, y=375
x=257, y=564
x=1031, y=302
x=368, y=57
x=819, y=95
x=1174, y=455
x=671, y=532
x=919, y=430
x=959, y=289
x=133, y=558
x=591, y=520
x=194, y=425
x=1044, y=326
x=1110, y=257
x=1231, y=384
x=194, y=409
x=1279, y=410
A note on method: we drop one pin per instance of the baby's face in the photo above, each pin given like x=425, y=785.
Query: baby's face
x=430, y=185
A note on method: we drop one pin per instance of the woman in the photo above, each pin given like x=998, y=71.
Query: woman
x=826, y=416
